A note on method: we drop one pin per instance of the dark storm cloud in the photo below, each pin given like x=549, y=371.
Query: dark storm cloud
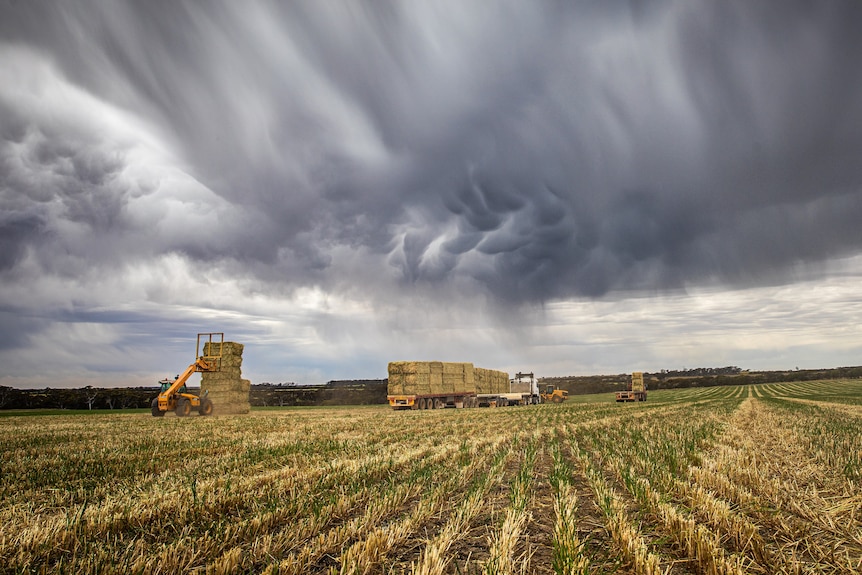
x=543, y=150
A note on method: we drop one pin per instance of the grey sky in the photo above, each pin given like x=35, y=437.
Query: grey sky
x=342, y=184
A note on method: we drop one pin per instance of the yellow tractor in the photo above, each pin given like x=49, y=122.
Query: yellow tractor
x=175, y=397
x=554, y=395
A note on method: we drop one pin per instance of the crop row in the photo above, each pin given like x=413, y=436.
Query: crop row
x=754, y=479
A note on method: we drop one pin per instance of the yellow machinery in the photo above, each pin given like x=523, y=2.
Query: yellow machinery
x=554, y=395
x=636, y=391
x=174, y=396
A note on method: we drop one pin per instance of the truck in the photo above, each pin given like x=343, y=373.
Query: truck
x=636, y=390
x=523, y=390
x=174, y=396
x=437, y=384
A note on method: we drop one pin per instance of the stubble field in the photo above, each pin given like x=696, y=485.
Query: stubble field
x=752, y=479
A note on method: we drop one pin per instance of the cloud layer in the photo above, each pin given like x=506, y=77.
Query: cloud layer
x=476, y=160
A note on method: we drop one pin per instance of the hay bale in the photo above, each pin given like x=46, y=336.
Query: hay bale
x=231, y=361
x=224, y=374
x=229, y=402
x=232, y=348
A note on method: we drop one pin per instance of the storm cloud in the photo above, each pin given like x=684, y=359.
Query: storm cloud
x=513, y=153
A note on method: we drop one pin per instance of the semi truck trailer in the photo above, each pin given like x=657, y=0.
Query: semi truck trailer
x=439, y=384
x=635, y=391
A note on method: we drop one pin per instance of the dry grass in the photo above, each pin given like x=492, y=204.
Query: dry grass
x=720, y=480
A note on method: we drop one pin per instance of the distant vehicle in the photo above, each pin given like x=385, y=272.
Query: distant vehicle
x=554, y=395
x=636, y=390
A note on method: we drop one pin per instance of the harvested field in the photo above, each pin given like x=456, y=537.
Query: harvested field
x=713, y=480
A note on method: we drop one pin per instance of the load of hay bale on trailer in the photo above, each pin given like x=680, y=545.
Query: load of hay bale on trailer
x=440, y=384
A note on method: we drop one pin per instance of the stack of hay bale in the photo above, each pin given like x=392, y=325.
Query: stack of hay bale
x=429, y=377
x=442, y=377
x=458, y=377
x=491, y=381
x=226, y=388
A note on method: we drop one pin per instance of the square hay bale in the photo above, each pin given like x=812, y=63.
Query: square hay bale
x=229, y=402
x=224, y=349
x=229, y=374
x=418, y=367
x=231, y=361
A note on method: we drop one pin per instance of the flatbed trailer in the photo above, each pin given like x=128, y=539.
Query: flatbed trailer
x=631, y=396
x=505, y=399
x=433, y=401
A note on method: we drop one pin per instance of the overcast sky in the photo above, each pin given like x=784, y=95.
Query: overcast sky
x=563, y=187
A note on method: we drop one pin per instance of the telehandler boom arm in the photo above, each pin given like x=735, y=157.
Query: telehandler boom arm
x=199, y=365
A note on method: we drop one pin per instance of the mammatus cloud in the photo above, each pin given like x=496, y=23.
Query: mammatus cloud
x=465, y=158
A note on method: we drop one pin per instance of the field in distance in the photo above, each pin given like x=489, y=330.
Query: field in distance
x=749, y=479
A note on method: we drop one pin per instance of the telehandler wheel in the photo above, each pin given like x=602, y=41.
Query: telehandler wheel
x=156, y=411
x=206, y=407
x=557, y=399
x=184, y=407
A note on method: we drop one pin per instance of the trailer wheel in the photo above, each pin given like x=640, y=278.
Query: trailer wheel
x=155, y=409
x=438, y=404
x=206, y=407
x=184, y=407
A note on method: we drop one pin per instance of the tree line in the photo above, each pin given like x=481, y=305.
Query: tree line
x=373, y=391
x=337, y=392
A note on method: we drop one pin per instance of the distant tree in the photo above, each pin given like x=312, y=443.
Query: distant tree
x=90, y=395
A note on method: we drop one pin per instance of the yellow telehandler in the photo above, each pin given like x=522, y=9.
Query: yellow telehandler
x=175, y=397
